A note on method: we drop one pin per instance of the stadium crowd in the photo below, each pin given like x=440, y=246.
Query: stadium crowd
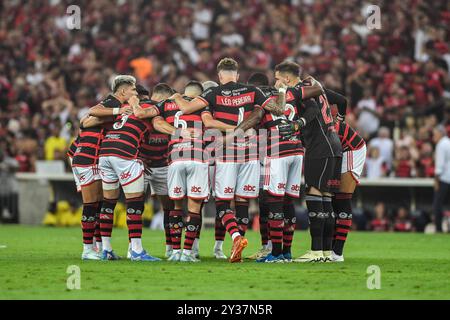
x=396, y=77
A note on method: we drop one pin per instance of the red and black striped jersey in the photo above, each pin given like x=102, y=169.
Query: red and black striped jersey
x=276, y=146
x=319, y=136
x=88, y=147
x=180, y=148
x=123, y=137
x=232, y=103
x=73, y=147
x=350, y=139
x=155, y=146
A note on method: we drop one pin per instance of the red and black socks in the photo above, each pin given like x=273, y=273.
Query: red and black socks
x=193, y=224
x=329, y=222
x=289, y=225
x=107, y=221
x=88, y=223
x=276, y=224
x=176, y=228
x=342, y=204
x=135, y=208
x=316, y=221
x=242, y=217
x=228, y=218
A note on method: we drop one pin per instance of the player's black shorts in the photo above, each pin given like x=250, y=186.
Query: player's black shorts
x=323, y=174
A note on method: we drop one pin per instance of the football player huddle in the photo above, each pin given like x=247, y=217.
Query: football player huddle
x=230, y=141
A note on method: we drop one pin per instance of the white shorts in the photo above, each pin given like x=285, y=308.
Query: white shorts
x=353, y=161
x=188, y=178
x=116, y=171
x=85, y=176
x=240, y=179
x=283, y=175
x=77, y=183
x=156, y=179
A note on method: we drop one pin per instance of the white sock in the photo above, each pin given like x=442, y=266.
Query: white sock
x=195, y=245
x=269, y=245
x=168, y=247
x=235, y=235
x=87, y=246
x=136, y=245
x=99, y=245
x=106, y=243
x=218, y=245
x=187, y=252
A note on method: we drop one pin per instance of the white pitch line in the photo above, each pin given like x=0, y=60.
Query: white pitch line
x=3, y=246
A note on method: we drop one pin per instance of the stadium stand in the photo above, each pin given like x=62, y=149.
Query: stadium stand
x=396, y=78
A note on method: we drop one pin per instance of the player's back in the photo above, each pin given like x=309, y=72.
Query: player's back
x=183, y=148
x=154, y=147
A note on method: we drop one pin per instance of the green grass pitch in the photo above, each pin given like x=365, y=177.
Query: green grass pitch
x=34, y=262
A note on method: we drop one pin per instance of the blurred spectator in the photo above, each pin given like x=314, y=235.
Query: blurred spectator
x=442, y=179
x=375, y=164
x=385, y=145
x=55, y=145
x=368, y=118
x=402, y=221
x=9, y=199
x=379, y=222
x=404, y=165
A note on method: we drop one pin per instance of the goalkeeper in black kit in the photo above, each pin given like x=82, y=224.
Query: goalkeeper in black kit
x=323, y=158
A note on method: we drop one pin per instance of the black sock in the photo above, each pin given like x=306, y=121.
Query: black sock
x=316, y=221
x=242, y=216
x=328, y=231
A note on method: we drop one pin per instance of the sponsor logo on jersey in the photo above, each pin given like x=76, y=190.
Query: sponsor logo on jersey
x=170, y=106
x=115, y=136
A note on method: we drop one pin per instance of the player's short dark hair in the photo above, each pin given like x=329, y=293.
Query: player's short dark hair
x=194, y=84
x=141, y=90
x=258, y=79
x=289, y=67
x=227, y=64
x=163, y=88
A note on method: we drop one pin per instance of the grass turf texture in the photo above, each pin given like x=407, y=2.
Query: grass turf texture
x=34, y=262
